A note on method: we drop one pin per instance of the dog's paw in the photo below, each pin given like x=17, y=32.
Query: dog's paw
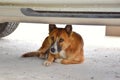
x=58, y=60
x=47, y=63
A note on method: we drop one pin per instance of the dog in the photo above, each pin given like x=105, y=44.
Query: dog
x=62, y=46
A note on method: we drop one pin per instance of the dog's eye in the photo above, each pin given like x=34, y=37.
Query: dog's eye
x=61, y=40
x=52, y=38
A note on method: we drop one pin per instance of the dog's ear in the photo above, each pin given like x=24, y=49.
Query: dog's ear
x=68, y=29
x=51, y=27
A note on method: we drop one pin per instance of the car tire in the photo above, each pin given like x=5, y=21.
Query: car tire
x=7, y=28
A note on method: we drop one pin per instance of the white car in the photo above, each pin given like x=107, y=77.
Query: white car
x=95, y=12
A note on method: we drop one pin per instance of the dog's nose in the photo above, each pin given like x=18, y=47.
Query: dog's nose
x=53, y=50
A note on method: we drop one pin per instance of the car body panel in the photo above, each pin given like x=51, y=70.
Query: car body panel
x=10, y=11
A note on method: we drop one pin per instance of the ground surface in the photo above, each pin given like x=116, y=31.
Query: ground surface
x=102, y=56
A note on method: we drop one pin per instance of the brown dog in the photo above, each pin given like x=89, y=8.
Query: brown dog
x=62, y=45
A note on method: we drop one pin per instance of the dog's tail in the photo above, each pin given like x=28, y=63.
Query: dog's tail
x=31, y=54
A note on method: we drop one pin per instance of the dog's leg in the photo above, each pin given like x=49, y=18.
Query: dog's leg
x=44, y=50
x=67, y=61
x=49, y=60
x=78, y=58
x=41, y=52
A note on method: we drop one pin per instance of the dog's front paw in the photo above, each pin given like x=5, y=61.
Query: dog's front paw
x=58, y=60
x=47, y=63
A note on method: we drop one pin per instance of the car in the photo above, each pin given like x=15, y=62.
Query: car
x=87, y=12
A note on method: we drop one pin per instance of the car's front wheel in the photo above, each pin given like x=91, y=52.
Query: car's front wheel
x=7, y=28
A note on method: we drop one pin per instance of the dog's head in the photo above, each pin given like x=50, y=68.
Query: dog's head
x=60, y=38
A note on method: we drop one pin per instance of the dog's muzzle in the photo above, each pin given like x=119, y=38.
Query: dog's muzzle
x=55, y=48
